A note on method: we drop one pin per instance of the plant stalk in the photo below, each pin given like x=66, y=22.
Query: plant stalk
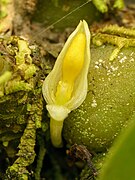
x=56, y=132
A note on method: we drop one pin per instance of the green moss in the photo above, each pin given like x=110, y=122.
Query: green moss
x=20, y=103
x=115, y=35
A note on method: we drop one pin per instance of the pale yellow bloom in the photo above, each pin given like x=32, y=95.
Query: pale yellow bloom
x=65, y=88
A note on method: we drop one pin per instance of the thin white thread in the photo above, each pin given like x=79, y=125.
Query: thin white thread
x=74, y=10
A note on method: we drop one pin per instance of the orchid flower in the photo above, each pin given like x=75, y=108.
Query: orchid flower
x=65, y=88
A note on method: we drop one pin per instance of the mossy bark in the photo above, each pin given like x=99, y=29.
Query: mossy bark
x=20, y=102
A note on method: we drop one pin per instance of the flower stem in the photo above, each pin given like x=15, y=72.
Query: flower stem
x=56, y=131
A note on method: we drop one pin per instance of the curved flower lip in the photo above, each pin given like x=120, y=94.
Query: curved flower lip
x=59, y=113
x=80, y=85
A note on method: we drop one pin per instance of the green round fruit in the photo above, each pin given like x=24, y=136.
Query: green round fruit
x=110, y=101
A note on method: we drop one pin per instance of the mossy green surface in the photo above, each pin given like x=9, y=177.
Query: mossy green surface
x=20, y=103
x=109, y=103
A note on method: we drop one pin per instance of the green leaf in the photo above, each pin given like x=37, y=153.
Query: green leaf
x=120, y=164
